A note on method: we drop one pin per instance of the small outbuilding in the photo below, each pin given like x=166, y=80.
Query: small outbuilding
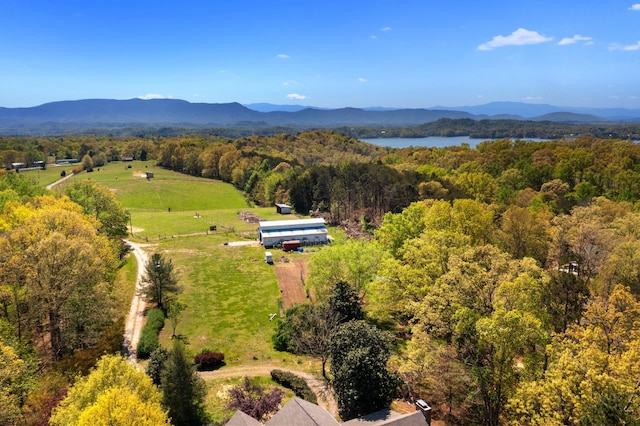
x=283, y=208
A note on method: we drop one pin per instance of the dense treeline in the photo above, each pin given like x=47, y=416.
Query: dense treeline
x=498, y=129
x=331, y=174
x=485, y=128
x=335, y=175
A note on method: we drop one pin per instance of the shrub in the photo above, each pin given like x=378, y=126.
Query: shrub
x=156, y=363
x=149, y=335
x=254, y=400
x=297, y=384
x=207, y=360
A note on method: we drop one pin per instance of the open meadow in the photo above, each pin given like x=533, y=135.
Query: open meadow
x=232, y=296
x=229, y=290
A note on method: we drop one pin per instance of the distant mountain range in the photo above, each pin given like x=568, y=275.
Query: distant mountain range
x=83, y=115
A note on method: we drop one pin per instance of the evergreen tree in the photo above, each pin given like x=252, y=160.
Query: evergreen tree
x=160, y=281
x=362, y=383
x=345, y=302
x=183, y=391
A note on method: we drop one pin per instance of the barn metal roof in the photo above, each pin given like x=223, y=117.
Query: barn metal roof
x=291, y=223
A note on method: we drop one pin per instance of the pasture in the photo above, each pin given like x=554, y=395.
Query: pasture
x=229, y=291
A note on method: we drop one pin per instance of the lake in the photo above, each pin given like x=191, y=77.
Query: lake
x=431, y=141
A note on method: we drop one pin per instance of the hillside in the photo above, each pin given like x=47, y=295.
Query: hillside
x=84, y=115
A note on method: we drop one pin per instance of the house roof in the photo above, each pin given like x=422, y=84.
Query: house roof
x=299, y=412
x=389, y=418
x=242, y=419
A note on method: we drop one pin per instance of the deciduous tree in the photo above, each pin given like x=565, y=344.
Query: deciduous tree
x=112, y=393
x=65, y=266
x=355, y=262
x=98, y=201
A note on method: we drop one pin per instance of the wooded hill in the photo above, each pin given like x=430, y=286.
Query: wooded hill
x=508, y=273
x=173, y=115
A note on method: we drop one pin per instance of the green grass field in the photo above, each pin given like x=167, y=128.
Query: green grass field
x=48, y=175
x=229, y=290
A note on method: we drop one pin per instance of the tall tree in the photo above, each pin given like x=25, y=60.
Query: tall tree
x=98, y=201
x=306, y=330
x=112, y=393
x=345, y=303
x=65, y=266
x=361, y=380
x=13, y=375
x=593, y=371
x=160, y=280
x=355, y=262
x=488, y=307
x=183, y=391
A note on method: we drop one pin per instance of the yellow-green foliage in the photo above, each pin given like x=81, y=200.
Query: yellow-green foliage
x=113, y=383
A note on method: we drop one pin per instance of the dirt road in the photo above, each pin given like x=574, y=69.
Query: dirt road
x=135, y=318
x=135, y=322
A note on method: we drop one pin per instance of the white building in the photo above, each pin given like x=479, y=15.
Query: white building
x=307, y=231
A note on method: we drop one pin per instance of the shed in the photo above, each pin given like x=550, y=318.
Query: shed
x=283, y=208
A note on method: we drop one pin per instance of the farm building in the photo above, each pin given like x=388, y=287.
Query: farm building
x=307, y=231
x=283, y=209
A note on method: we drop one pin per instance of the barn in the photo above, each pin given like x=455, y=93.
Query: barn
x=307, y=231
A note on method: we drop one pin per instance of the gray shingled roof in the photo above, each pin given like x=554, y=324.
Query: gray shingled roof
x=299, y=412
x=389, y=418
x=242, y=419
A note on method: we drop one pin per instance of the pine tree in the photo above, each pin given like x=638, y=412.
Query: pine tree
x=183, y=391
x=160, y=281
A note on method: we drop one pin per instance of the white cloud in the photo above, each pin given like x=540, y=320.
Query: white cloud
x=632, y=47
x=296, y=97
x=283, y=56
x=635, y=6
x=373, y=37
x=289, y=82
x=519, y=37
x=532, y=98
x=152, y=96
x=576, y=38
x=362, y=80
x=385, y=29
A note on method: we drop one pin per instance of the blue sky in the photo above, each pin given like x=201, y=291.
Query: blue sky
x=358, y=53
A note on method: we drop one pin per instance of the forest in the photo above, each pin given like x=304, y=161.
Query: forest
x=508, y=274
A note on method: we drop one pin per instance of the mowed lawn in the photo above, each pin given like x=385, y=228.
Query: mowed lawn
x=230, y=294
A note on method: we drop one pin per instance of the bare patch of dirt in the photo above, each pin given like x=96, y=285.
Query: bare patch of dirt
x=291, y=277
x=249, y=217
